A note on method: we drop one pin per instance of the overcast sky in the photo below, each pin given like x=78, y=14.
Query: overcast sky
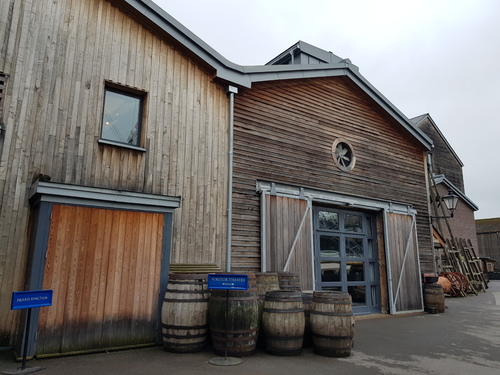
x=440, y=57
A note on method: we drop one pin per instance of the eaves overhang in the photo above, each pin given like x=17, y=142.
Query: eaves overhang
x=244, y=76
x=441, y=179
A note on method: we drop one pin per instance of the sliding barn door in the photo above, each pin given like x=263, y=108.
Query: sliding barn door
x=405, y=290
x=288, y=237
x=104, y=267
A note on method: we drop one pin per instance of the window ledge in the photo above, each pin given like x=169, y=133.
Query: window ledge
x=124, y=145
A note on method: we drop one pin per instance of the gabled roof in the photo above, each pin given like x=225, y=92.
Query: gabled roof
x=418, y=121
x=306, y=53
x=244, y=76
x=441, y=179
x=488, y=225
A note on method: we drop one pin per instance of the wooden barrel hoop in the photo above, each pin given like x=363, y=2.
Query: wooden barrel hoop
x=283, y=322
x=184, y=313
x=242, y=320
x=332, y=324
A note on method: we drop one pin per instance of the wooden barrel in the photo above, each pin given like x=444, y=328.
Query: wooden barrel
x=184, y=313
x=289, y=281
x=434, y=298
x=283, y=322
x=332, y=324
x=241, y=327
x=266, y=281
x=307, y=297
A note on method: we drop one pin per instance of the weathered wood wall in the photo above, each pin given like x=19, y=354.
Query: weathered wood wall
x=57, y=56
x=444, y=161
x=489, y=246
x=284, y=133
x=105, y=272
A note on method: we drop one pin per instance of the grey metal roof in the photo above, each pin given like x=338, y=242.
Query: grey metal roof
x=419, y=119
x=238, y=75
x=302, y=47
x=441, y=179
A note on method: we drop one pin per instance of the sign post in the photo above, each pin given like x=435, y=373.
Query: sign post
x=28, y=300
x=227, y=282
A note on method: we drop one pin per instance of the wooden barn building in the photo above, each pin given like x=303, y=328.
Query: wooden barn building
x=128, y=144
x=446, y=177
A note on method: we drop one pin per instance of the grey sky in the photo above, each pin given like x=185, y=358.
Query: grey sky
x=440, y=57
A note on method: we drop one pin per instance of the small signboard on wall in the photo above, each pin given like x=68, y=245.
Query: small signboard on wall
x=228, y=282
x=30, y=299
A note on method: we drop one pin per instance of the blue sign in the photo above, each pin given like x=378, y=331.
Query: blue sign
x=31, y=298
x=227, y=281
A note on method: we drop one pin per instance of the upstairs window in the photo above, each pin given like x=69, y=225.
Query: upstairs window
x=122, y=117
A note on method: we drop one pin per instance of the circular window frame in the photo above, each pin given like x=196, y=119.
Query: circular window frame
x=338, y=161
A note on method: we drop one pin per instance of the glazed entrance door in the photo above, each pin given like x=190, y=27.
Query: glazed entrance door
x=346, y=256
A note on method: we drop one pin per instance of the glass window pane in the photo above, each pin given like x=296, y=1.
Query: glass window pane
x=358, y=294
x=329, y=246
x=373, y=272
x=369, y=225
x=121, y=118
x=330, y=271
x=374, y=296
x=354, y=247
x=353, y=223
x=328, y=220
x=355, y=271
x=371, y=249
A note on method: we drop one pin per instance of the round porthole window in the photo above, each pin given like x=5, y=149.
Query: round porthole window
x=343, y=155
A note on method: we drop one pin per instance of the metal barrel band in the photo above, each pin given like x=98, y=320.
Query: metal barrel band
x=289, y=299
x=185, y=300
x=171, y=326
x=282, y=310
x=329, y=313
x=187, y=291
x=184, y=337
x=230, y=299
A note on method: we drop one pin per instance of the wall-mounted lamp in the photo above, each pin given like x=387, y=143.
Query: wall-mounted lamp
x=450, y=201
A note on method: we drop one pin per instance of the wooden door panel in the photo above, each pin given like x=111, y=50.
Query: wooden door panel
x=104, y=267
x=289, y=232
x=403, y=260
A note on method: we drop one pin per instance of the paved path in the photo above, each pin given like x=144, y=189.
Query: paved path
x=463, y=340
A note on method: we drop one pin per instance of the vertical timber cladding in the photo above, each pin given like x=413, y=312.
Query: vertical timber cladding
x=403, y=263
x=55, y=128
x=104, y=267
x=284, y=131
x=288, y=237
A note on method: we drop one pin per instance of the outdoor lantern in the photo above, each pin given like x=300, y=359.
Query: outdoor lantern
x=450, y=201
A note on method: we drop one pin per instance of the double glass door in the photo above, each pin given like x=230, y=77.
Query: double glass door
x=346, y=256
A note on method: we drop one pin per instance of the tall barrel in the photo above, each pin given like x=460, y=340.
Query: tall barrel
x=332, y=324
x=184, y=313
x=434, y=298
x=266, y=281
x=241, y=326
x=283, y=322
x=289, y=280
